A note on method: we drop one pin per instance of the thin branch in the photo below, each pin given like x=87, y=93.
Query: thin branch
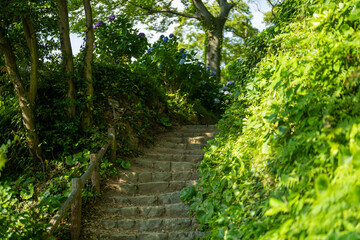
x=152, y=11
x=272, y=8
x=271, y=4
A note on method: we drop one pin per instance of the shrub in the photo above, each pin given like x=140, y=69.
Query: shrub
x=289, y=167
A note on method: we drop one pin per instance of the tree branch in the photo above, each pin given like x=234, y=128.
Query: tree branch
x=30, y=36
x=152, y=11
x=203, y=10
x=271, y=4
x=225, y=8
x=272, y=8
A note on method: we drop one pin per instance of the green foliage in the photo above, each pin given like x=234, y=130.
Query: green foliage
x=165, y=121
x=237, y=29
x=116, y=41
x=180, y=73
x=285, y=164
x=125, y=164
x=19, y=207
x=3, y=151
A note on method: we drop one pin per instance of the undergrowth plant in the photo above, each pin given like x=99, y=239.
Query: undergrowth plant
x=286, y=162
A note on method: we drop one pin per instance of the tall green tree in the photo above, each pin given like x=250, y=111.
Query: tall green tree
x=211, y=16
x=67, y=55
x=19, y=14
x=90, y=38
x=234, y=37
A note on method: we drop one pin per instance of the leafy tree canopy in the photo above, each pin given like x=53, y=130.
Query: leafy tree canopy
x=159, y=15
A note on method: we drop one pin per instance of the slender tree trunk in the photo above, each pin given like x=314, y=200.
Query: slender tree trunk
x=25, y=106
x=87, y=118
x=67, y=55
x=30, y=36
x=214, y=27
x=213, y=48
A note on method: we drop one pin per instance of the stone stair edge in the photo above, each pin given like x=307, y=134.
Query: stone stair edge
x=151, y=188
x=172, y=210
x=148, y=176
x=140, y=224
x=152, y=235
x=145, y=204
x=147, y=200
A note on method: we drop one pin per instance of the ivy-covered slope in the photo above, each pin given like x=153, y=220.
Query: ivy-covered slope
x=286, y=164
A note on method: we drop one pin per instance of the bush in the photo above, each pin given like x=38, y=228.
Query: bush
x=179, y=72
x=117, y=41
x=289, y=168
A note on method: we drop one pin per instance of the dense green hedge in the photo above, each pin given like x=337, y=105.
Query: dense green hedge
x=286, y=162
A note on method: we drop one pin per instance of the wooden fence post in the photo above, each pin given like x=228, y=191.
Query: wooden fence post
x=76, y=210
x=111, y=131
x=95, y=176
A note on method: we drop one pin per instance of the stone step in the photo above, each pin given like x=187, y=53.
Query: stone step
x=184, y=146
x=175, y=151
x=166, y=165
x=150, y=187
x=189, y=140
x=159, y=211
x=145, y=235
x=153, y=224
x=193, y=134
x=173, y=157
x=198, y=128
x=146, y=200
x=144, y=177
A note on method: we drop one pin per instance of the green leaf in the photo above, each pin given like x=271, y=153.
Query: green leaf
x=321, y=184
x=276, y=207
x=187, y=194
x=125, y=164
x=337, y=66
x=3, y=160
x=165, y=121
x=69, y=160
x=354, y=15
x=26, y=194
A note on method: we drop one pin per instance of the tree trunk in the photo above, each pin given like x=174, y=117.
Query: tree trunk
x=214, y=27
x=213, y=48
x=25, y=106
x=87, y=118
x=67, y=54
x=30, y=36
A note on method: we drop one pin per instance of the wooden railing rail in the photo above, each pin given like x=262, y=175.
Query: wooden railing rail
x=74, y=199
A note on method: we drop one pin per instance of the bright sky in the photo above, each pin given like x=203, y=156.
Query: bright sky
x=257, y=9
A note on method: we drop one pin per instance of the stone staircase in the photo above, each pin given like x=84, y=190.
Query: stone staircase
x=144, y=202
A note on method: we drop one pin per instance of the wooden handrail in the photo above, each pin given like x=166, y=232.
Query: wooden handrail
x=74, y=199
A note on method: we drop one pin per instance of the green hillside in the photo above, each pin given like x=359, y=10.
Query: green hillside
x=286, y=162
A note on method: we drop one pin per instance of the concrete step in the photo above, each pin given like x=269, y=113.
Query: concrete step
x=145, y=235
x=166, y=165
x=189, y=140
x=144, y=177
x=150, y=188
x=146, y=200
x=193, y=134
x=173, y=157
x=158, y=211
x=153, y=224
x=178, y=151
x=183, y=146
x=198, y=128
